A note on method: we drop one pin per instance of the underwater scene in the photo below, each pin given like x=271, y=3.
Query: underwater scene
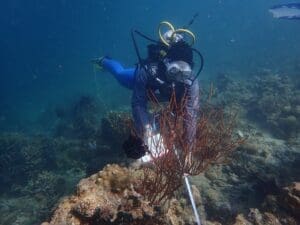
x=150, y=112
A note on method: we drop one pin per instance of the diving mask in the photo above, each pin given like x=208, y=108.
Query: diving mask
x=179, y=71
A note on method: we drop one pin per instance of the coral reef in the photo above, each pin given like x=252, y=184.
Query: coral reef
x=42, y=169
x=290, y=199
x=38, y=171
x=115, y=128
x=282, y=209
x=278, y=103
x=271, y=100
x=22, y=158
x=257, y=169
x=255, y=187
x=81, y=120
x=86, y=122
x=270, y=158
x=152, y=188
x=109, y=197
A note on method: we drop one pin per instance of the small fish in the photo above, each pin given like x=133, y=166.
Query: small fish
x=92, y=145
x=240, y=134
x=286, y=11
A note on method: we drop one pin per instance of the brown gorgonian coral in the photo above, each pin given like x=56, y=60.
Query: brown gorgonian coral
x=212, y=141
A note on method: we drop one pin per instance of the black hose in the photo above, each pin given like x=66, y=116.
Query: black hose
x=146, y=37
x=136, y=47
x=191, y=21
x=201, y=64
x=142, y=64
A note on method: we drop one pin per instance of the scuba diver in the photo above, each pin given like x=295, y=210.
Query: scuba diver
x=168, y=68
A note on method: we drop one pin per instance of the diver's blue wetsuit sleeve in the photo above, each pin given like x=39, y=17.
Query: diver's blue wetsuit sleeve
x=139, y=101
x=124, y=76
x=192, y=109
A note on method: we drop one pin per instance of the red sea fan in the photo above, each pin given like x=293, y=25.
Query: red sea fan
x=212, y=142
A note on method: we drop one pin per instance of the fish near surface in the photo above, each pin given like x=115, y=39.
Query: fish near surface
x=286, y=11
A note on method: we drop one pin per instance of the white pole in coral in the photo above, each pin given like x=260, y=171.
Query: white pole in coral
x=188, y=186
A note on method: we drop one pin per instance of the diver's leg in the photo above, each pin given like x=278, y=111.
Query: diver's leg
x=124, y=76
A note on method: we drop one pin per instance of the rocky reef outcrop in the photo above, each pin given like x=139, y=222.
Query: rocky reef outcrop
x=109, y=197
x=277, y=210
x=290, y=199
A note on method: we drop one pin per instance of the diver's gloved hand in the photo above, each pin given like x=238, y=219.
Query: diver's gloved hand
x=155, y=144
x=134, y=147
x=98, y=62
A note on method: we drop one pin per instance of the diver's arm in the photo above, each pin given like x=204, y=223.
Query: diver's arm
x=139, y=102
x=192, y=112
x=124, y=76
